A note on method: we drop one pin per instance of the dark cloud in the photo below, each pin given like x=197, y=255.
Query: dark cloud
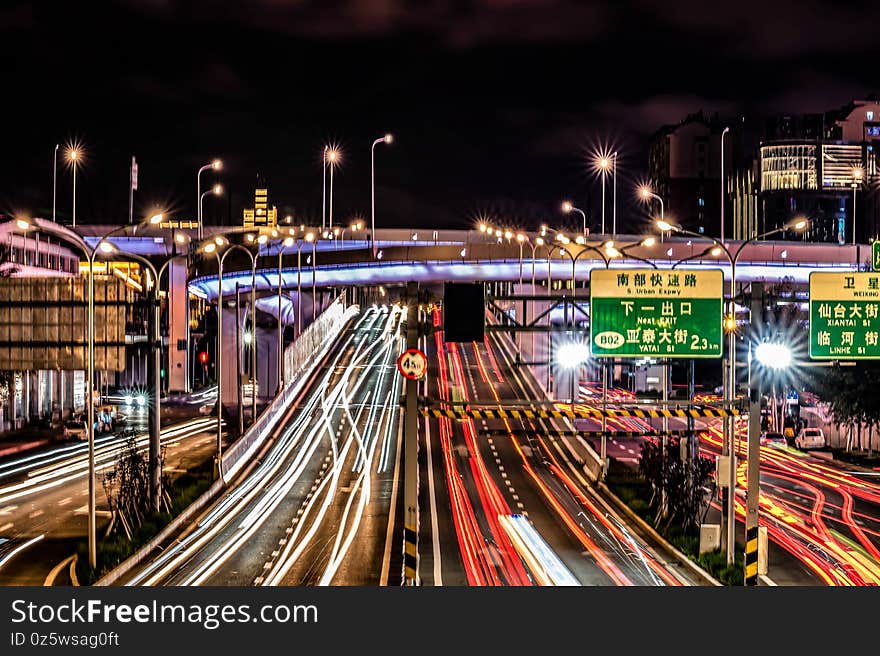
x=498, y=104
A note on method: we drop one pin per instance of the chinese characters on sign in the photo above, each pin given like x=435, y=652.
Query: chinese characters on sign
x=844, y=316
x=666, y=313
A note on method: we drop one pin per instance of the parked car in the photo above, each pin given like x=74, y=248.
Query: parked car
x=810, y=438
x=75, y=430
x=769, y=438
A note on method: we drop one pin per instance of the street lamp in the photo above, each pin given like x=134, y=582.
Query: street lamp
x=571, y=356
x=74, y=157
x=309, y=237
x=387, y=139
x=646, y=194
x=623, y=251
x=215, y=165
x=287, y=243
x=563, y=250
x=212, y=247
x=217, y=190
x=728, y=447
x=54, y=179
x=567, y=208
x=723, y=132
x=332, y=158
x=90, y=253
x=857, y=175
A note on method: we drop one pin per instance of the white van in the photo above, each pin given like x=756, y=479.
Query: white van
x=810, y=438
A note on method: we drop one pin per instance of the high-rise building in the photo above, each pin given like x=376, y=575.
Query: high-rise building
x=260, y=215
x=685, y=170
x=823, y=167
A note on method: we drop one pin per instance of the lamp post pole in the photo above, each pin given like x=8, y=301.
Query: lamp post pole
x=724, y=132
x=614, y=195
x=216, y=165
x=74, y=192
x=386, y=139
x=729, y=444
x=54, y=179
x=314, y=267
x=286, y=243
x=324, y=190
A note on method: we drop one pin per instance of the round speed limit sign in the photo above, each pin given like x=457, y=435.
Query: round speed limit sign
x=412, y=364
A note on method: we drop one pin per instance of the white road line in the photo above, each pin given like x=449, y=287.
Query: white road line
x=36, y=513
x=8, y=510
x=435, y=538
x=389, y=535
x=65, y=501
x=6, y=527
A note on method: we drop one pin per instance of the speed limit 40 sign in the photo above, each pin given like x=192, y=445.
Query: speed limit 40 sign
x=412, y=364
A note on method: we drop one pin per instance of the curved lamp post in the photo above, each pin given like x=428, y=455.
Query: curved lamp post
x=568, y=208
x=387, y=139
x=216, y=165
x=729, y=445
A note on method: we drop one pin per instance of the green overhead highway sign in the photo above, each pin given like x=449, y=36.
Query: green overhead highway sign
x=844, y=316
x=636, y=313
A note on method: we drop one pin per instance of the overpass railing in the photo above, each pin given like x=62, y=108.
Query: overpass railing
x=300, y=359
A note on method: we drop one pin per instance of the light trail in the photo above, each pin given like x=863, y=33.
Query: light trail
x=267, y=483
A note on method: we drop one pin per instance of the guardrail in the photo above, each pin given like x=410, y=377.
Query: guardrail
x=309, y=348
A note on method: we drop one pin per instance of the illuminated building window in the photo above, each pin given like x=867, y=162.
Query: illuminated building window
x=838, y=162
x=788, y=166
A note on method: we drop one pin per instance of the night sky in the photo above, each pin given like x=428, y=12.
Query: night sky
x=496, y=106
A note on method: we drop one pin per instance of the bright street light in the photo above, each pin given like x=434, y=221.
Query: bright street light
x=572, y=354
x=773, y=355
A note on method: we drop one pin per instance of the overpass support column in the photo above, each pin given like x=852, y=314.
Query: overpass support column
x=410, y=449
x=178, y=328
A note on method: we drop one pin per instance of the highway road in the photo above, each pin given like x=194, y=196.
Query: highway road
x=492, y=472
x=44, y=496
x=316, y=508
x=823, y=517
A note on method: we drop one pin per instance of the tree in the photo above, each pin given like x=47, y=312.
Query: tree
x=127, y=485
x=679, y=487
x=848, y=391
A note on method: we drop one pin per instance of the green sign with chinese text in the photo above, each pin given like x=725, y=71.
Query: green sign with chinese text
x=636, y=313
x=844, y=316
x=875, y=256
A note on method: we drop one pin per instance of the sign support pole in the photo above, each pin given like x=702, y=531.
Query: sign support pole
x=754, y=460
x=410, y=449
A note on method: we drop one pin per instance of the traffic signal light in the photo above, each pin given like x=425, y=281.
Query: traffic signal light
x=729, y=323
x=203, y=357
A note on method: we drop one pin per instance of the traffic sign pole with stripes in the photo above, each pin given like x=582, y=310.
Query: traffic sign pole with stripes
x=501, y=413
x=754, y=442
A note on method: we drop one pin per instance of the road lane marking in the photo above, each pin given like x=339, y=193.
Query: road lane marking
x=8, y=510
x=36, y=513
x=65, y=501
x=6, y=527
x=435, y=537
x=53, y=574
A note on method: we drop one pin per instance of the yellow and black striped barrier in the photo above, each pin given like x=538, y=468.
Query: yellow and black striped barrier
x=751, y=556
x=500, y=413
x=410, y=555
